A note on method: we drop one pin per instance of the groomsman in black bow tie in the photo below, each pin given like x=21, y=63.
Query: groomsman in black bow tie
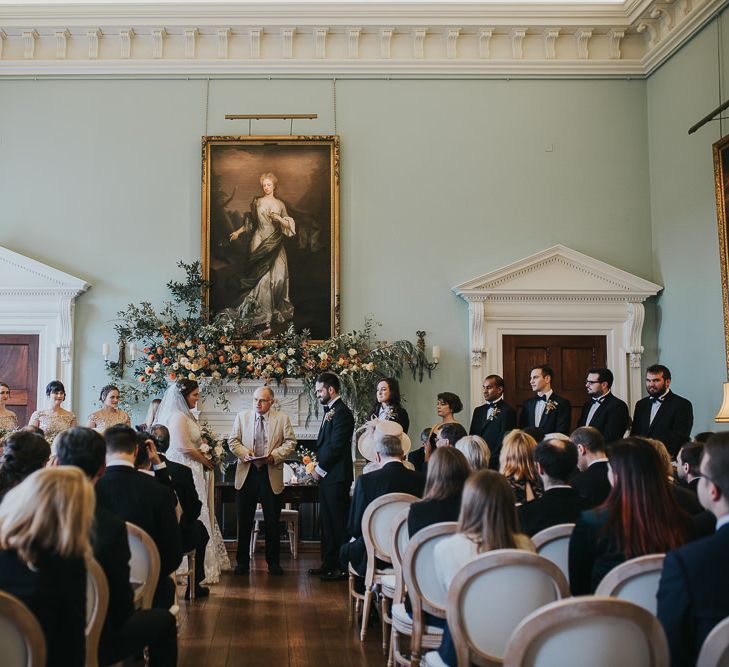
x=604, y=411
x=662, y=414
x=546, y=410
x=494, y=418
x=334, y=473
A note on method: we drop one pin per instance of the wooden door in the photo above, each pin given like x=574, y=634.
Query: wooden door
x=569, y=356
x=19, y=370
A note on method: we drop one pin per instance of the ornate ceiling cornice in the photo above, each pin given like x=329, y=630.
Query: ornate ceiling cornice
x=347, y=39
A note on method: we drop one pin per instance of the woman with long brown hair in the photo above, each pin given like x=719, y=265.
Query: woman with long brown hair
x=639, y=517
x=516, y=463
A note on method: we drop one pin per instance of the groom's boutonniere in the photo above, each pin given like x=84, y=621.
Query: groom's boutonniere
x=329, y=415
x=495, y=412
x=551, y=405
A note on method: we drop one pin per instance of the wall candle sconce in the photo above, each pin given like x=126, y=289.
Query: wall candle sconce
x=419, y=363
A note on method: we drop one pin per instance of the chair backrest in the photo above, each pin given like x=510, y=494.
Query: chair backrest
x=399, y=539
x=553, y=543
x=97, y=604
x=419, y=573
x=144, y=565
x=595, y=631
x=22, y=643
x=377, y=527
x=636, y=581
x=715, y=650
x=492, y=594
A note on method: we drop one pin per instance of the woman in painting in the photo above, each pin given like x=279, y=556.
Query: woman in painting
x=264, y=284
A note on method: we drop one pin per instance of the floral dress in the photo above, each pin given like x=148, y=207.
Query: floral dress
x=52, y=423
x=8, y=423
x=103, y=419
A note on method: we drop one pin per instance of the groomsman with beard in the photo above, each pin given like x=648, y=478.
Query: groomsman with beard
x=546, y=410
x=494, y=419
x=604, y=411
x=334, y=473
x=663, y=415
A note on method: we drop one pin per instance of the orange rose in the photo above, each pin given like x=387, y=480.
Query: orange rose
x=141, y=378
x=173, y=376
x=151, y=357
x=166, y=360
x=221, y=359
x=306, y=460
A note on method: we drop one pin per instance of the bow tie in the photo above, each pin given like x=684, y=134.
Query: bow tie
x=326, y=409
x=597, y=400
x=490, y=405
x=542, y=398
x=657, y=399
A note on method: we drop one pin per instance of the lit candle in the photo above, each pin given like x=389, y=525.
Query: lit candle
x=105, y=351
x=436, y=352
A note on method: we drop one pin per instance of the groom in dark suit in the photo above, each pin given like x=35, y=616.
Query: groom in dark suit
x=693, y=595
x=604, y=411
x=494, y=419
x=334, y=473
x=663, y=415
x=546, y=410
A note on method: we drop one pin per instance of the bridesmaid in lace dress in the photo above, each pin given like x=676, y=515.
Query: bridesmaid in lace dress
x=8, y=420
x=110, y=414
x=54, y=419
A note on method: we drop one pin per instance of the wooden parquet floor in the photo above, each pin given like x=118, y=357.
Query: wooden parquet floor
x=261, y=620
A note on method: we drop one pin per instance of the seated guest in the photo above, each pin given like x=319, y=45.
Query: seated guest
x=23, y=454
x=476, y=451
x=44, y=534
x=143, y=501
x=449, y=434
x=392, y=477
x=693, y=595
x=639, y=517
x=556, y=461
x=419, y=456
x=192, y=531
x=591, y=483
x=517, y=465
x=150, y=462
x=702, y=437
x=126, y=632
x=447, y=473
x=487, y=522
x=688, y=464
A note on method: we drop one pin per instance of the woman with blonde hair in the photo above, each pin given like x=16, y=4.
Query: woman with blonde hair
x=487, y=521
x=44, y=535
x=476, y=451
x=518, y=466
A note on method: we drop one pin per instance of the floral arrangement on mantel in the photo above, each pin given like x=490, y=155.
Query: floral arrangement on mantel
x=180, y=341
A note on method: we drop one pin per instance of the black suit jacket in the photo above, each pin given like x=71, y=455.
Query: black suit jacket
x=393, y=477
x=184, y=487
x=554, y=421
x=693, y=595
x=560, y=505
x=55, y=591
x=334, y=444
x=142, y=500
x=592, y=485
x=672, y=424
x=611, y=418
x=427, y=512
x=493, y=431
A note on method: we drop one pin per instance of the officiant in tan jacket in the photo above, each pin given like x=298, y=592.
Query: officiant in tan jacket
x=261, y=439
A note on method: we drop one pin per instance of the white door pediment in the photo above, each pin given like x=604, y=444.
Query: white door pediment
x=558, y=291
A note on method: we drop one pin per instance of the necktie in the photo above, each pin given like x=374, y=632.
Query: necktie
x=259, y=440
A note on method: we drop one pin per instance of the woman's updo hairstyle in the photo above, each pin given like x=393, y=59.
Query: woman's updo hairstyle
x=23, y=454
x=186, y=386
x=105, y=391
x=55, y=385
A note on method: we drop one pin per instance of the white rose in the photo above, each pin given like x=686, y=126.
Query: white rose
x=281, y=356
x=216, y=375
x=291, y=351
x=191, y=376
x=188, y=343
x=323, y=356
x=205, y=448
x=156, y=367
x=195, y=366
x=175, y=366
x=370, y=366
x=352, y=352
x=218, y=451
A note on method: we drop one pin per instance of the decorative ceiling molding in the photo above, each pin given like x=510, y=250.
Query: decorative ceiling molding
x=347, y=39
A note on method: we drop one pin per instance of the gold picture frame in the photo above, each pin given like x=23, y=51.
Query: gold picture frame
x=721, y=185
x=270, y=231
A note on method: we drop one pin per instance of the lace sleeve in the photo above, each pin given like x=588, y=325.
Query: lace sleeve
x=181, y=437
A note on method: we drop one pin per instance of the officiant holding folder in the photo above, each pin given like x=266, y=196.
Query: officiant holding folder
x=261, y=439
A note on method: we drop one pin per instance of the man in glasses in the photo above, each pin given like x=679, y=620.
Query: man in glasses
x=693, y=595
x=604, y=411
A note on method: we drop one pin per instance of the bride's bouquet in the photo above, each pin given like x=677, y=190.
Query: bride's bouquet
x=303, y=468
x=213, y=447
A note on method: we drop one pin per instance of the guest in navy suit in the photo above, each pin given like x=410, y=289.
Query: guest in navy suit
x=662, y=414
x=494, y=419
x=547, y=410
x=688, y=466
x=591, y=482
x=334, y=473
x=604, y=411
x=693, y=595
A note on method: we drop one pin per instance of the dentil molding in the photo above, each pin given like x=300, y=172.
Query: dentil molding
x=346, y=39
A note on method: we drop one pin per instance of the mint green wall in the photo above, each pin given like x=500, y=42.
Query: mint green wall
x=684, y=228
x=441, y=181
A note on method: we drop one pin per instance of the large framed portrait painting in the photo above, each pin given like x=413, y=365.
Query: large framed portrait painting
x=270, y=232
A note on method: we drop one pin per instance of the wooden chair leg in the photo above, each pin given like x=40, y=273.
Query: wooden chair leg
x=351, y=603
x=391, y=654
x=191, y=574
x=254, y=537
x=296, y=539
x=383, y=616
x=365, y=612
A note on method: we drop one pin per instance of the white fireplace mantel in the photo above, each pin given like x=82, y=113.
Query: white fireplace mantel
x=39, y=299
x=558, y=291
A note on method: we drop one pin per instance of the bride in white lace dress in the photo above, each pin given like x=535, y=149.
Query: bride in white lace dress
x=185, y=440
